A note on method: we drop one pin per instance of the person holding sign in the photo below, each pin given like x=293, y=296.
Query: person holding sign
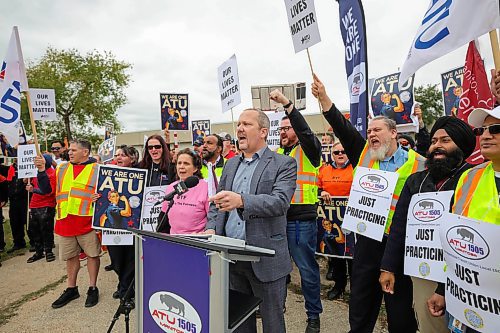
x=299, y=142
x=452, y=142
x=380, y=151
x=477, y=194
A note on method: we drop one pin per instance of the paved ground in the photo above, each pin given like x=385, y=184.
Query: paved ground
x=27, y=291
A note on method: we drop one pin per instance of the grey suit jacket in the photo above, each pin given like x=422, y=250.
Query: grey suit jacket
x=271, y=189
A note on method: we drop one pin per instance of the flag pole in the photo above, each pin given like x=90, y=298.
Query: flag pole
x=319, y=104
x=26, y=91
x=495, y=48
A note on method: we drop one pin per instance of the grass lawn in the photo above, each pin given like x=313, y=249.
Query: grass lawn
x=9, y=242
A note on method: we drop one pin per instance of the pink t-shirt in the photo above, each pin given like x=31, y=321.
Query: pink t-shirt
x=189, y=212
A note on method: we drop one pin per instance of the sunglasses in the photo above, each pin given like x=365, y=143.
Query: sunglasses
x=55, y=148
x=154, y=147
x=493, y=129
x=338, y=152
x=284, y=128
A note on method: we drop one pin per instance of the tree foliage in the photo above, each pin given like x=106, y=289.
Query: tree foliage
x=431, y=102
x=89, y=91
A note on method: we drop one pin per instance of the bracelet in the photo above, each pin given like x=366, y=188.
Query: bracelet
x=287, y=105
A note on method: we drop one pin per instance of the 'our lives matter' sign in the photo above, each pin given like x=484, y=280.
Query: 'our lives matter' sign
x=303, y=23
x=26, y=161
x=471, y=251
x=370, y=202
x=273, y=138
x=423, y=251
x=229, y=84
x=44, y=104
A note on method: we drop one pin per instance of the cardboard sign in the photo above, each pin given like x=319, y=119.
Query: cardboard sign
x=106, y=149
x=108, y=131
x=26, y=161
x=122, y=192
x=44, y=104
x=451, y=82
x=151, y=207
x=117, y=237
x=229, y=84
x=273, y=138
x=174, y=112
x=303, y=23
x=326, y=153
x=200, y=128
x=423, y=252
x=333, y=240
x=388, y=99
x=471, y=251
x=370, y=202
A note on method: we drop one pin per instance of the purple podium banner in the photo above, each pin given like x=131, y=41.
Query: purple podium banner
x=176, y=287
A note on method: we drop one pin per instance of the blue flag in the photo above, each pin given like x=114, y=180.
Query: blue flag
x=352, y=27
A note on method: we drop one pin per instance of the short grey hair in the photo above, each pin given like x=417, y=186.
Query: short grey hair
x=262, y=118
x=391, y=124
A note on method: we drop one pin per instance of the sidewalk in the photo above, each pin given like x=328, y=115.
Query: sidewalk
x=30, y=286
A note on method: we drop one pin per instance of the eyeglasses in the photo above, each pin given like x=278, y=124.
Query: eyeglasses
x=55, y=148
x=338, y=152
x=154, y=147
x=493, y=129
x=284, y=128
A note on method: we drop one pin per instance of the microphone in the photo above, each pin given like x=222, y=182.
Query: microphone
x=180, y=188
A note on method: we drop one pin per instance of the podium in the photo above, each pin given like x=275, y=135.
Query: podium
x=182, y=283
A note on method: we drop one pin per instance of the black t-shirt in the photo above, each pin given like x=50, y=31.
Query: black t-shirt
x=497, y=181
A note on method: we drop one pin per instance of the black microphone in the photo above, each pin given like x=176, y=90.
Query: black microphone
x=180, y=188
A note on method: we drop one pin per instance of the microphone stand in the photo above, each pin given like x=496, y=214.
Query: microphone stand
x=126, y=305
x=161, y=223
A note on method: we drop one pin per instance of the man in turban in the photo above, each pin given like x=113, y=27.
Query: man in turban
x=452, y=141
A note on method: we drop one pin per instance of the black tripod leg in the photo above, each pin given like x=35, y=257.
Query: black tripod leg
x=125, y=308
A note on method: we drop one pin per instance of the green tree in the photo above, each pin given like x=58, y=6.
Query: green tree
x=431, y=102
x=89, y=91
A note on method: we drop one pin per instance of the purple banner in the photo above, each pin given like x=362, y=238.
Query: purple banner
x=176, y=287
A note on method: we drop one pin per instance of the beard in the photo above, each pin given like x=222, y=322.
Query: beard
x=443, y=167
x=379, y=153
x=207, y=154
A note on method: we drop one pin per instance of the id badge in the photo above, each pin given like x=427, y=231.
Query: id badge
x=455, y=326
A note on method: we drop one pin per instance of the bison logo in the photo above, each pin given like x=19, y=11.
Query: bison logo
x=373, y=183
x=428, y=210
x=467, y=242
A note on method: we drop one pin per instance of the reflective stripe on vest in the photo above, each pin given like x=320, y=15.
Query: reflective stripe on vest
x=306, y=191
x=414, y=163
x=204, y=172
x=74, y=195
x=476, y=194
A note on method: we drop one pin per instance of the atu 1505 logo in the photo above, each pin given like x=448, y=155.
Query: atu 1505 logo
x=173, y=313
x=373, y=183
x=427, y=210
x=467, y=242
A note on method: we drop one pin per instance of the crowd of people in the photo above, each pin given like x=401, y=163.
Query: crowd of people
x=269, y=199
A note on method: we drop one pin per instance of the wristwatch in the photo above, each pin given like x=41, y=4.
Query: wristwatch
x=287, y=105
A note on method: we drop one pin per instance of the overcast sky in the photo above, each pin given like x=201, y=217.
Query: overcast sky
x=176, y=46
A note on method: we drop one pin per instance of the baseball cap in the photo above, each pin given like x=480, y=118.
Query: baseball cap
x=225, y=136
x=477, y=117
x=198, y=142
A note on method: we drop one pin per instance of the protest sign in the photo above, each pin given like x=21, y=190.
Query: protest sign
x=392, y=101
x=370, y=202
x=326, y=153
x=471, y=251
x=229, y=84
x=303, y=23
x=333, y=240
x=121, y=194
x=106, y=149
x=44, y=104
x=109, y=129
x=174, y=112
x=117, y=237
x=423, y=251
x=22, y=133
x=151, y=207
x=273, y=138
x=451, y=82
x=200, y=128
x=26, y=161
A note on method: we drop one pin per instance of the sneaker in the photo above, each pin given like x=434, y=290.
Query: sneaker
x=334, y=293
x=313, y=325
x=35, y=257
x=82, y=256
x=116, y=294
x=92, y=297
x=32, y=249
x=108, y=267
x=49, y=256
x=67, y=296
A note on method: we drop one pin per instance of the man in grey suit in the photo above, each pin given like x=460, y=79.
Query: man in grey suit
x=252, y=199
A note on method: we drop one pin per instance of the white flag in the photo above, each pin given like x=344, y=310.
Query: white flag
x=10, y=90
x=447, y=25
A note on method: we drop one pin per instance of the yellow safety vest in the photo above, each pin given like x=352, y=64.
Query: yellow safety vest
x=414, y=163
x=218, y=171
x=74, y=195
x=306, y=192
x=476, y=194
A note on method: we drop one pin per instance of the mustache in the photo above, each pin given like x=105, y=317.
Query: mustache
x=436, y=151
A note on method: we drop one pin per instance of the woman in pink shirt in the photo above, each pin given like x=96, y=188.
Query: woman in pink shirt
x=188, y=213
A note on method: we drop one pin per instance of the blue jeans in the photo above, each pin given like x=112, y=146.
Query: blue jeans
x=301, y=237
